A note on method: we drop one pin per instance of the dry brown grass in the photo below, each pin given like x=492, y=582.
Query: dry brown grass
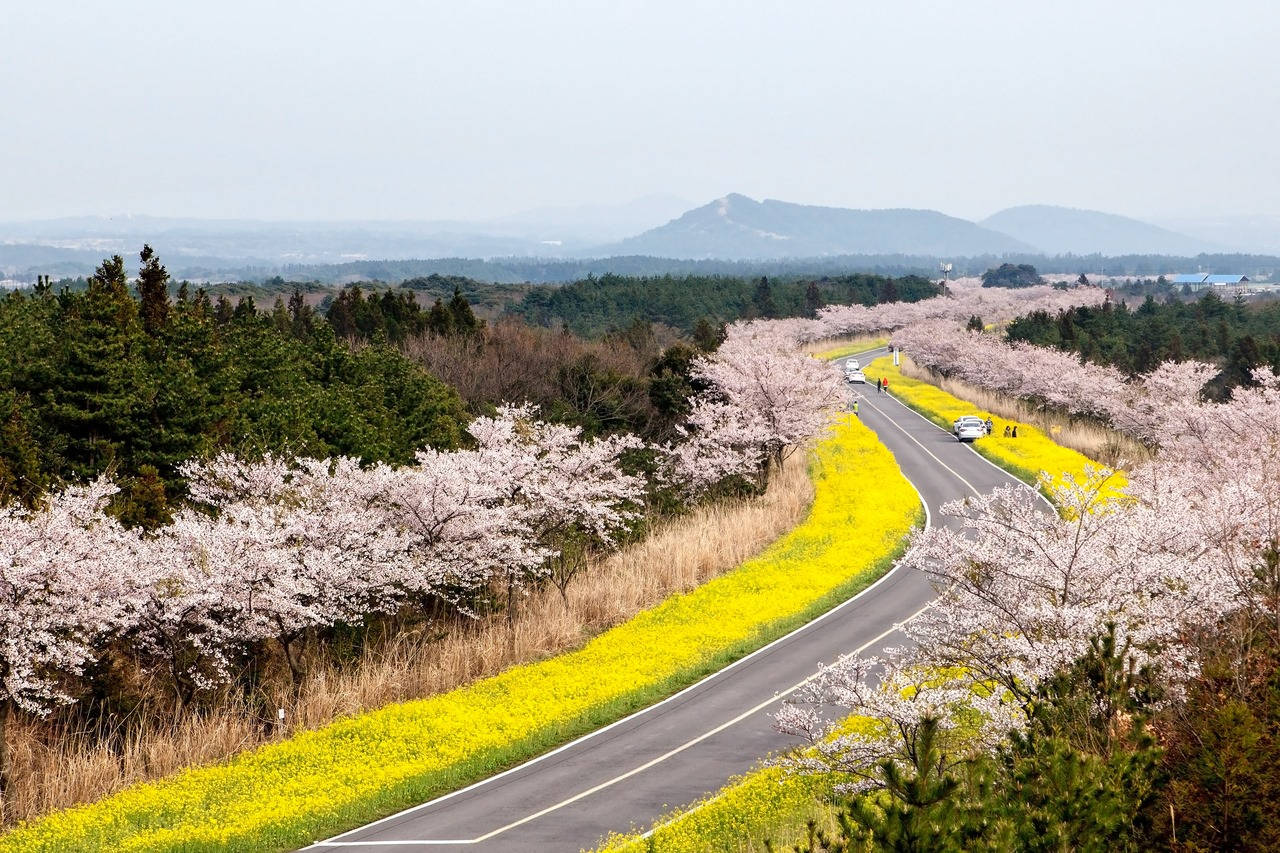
x=1095, y=440
x=54, y=769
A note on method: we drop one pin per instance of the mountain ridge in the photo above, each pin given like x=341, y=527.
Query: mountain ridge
x=737, y=226
x=1058, y=230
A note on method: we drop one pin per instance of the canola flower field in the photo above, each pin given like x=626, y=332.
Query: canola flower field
x=1025, y=456
x=317, y=783
x=842, y=350
x=768, y=803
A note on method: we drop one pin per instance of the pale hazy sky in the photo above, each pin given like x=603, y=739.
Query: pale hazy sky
x=424, y=110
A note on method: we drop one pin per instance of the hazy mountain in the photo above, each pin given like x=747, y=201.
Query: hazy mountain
x=1242, y=232
x=1069, y=230
x=739, y=227
x=74, y=245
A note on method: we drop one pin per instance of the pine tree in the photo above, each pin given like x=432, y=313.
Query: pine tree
x=143, y=502
x=464, y=319
x=889, y=291
x=153, y=291
x=762, y=299
x=96, y=387
x=708, y=336
x=812, y=299
x=439, y=320
x=280, y=315
x=301, y=315
x=21, y=476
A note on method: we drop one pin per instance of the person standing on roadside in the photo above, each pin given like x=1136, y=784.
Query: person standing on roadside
x=990, y=426
x=855, y=408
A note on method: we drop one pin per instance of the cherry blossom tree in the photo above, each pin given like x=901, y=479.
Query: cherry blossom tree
x=759, y=371
x=62, y=593
x=295, y=545
x=1023, y=593
x=717, y=441
x=1163, y=403
x=569, y=496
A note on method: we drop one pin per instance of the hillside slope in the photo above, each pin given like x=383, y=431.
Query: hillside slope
x=740, y=227
x=1069, y=230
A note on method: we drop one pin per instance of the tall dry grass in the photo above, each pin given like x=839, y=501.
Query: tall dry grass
x=1095, y=440
x=56, y=768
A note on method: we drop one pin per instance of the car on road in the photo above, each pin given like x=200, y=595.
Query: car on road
x=855, y=376
x=968, y=428
x=852, y=364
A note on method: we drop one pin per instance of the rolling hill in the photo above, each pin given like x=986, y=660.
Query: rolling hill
x=740, y=227
x=1068, y=230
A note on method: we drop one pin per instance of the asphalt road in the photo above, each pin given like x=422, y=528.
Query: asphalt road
x=628, y=774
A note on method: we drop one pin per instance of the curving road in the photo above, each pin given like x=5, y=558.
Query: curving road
x=631, y=772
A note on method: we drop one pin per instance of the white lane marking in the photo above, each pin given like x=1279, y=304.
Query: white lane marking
x=1007, y=474
x=335, y=841
x=899, y=426
x=928, y=523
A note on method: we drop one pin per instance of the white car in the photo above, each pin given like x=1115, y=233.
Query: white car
x=851, y=365
x=855, y=376
x=969, y=428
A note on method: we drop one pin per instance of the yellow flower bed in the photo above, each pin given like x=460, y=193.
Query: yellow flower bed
x=287, y=794
x=850, y=349
x=1025, y=456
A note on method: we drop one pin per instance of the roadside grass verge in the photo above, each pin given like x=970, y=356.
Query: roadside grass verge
x=320, y=782
x=1025, y=457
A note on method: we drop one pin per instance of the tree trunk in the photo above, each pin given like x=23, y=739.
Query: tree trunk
x=295, y=670
x=6, y=712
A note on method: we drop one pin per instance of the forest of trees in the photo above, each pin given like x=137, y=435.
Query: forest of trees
x=99, y=380
x=1236, y=334
x=1011, y=275
x=595, y=305
x=105, y=375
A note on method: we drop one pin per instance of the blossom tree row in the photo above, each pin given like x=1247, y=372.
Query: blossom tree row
x=271, y=553
x=1148, y=408
x=1192, y=549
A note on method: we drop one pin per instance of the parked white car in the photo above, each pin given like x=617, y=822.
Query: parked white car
x=968, y=428
x=855, y=376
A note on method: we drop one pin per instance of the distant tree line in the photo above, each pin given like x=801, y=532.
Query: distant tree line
x=594, y=305
x=1236, y=334
x=396, y=315
x=101, y=379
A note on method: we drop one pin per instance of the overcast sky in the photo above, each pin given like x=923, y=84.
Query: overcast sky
x=461, y=109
